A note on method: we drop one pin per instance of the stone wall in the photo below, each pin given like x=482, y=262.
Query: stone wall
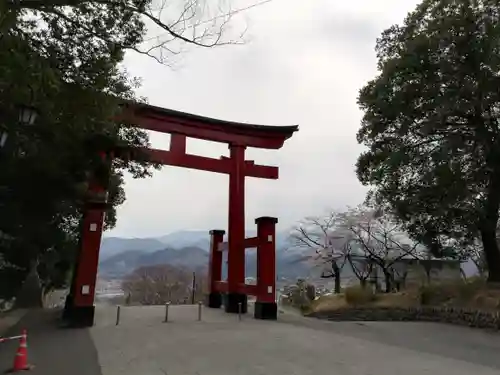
x=471, y=318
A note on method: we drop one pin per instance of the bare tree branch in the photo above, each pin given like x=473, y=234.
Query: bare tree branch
x=361, y=268
x=174, y=25
x=156, y=285
x=323, y=244
x=380, y=241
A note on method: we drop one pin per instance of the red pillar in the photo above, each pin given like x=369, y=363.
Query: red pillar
x=82, y=312
x=265, y=306
x=215, y=268
x=80, y=309
x=236, y=231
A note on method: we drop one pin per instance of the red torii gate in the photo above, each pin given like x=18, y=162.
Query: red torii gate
x=79, y=309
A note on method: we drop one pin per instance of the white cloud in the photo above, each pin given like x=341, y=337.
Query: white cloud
x=304, y=65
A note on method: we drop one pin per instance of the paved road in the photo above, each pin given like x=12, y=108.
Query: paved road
x=221, y=345
x=53, y=351
x=459, y=343
x=9, y=319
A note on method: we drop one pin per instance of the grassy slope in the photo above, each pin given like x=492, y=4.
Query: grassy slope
x=472, y=294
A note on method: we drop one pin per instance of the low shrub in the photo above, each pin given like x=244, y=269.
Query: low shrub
x=328, y=302
x=357, y=295
x=305, y=309
x=298, y=298
x=452, y=292
x=434, y=294
x=468, y=289
x=310, y=292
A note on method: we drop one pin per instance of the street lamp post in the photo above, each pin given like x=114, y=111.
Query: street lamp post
x=3, y=139
x=27, y=115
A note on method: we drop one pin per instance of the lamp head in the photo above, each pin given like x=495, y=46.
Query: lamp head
x=27, y=115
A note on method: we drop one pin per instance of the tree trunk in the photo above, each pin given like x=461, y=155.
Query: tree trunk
x=336, y=275
x=388, y=282
x=488, y=226
x=427, y=268
x=31, y=293
x=492, y=254
x=462, y=274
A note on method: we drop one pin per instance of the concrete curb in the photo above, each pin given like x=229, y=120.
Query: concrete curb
x=450, y=315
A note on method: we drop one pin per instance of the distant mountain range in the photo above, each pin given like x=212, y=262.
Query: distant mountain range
x=115, y=245
x=123, y=263
x=189, y=249
x=121, y=256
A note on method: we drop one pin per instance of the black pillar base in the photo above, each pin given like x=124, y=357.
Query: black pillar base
x=80, y=316
x=266, y=310
x=232, y=301
x=68, y=305
x=215, y=300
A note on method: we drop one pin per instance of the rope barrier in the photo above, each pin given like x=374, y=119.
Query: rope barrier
x=4, y=339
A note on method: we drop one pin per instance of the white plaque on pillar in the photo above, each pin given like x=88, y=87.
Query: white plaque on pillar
x=270, y=238
x=85, y=290
x=93, y=227
x=269, y=289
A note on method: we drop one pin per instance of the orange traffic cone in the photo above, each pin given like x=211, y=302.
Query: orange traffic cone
x=21, y=358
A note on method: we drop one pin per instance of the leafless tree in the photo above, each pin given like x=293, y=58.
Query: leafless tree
x=473, y=251
x=366, y=238
x=361, y=267
x=324, y=243
x=154, y=285
x=478, y=257
x=173, y=25
x=380, y=240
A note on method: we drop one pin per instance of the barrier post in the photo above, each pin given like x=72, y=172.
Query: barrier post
x=199, y=310
x=167, y=305
x=5, y=339
x=117, y=315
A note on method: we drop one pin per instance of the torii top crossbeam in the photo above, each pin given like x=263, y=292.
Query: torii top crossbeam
x=175, y=122
x=182, y=125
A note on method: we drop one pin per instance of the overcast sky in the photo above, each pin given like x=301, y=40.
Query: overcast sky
x=304, y=64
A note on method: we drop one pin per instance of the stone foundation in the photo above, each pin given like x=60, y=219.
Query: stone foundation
x=265, y=310
x=232, y=303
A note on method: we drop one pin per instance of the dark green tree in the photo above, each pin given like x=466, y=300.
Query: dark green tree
x=46, y=167
x=63, y=57
x=431, y=124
